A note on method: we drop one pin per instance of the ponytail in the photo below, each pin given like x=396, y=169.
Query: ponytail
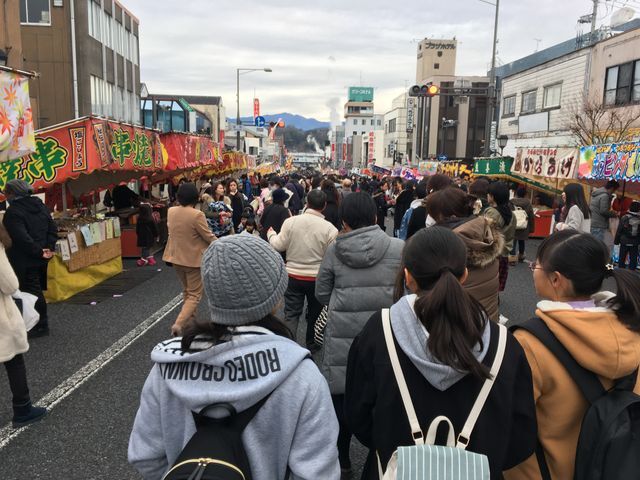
x=436, y=259
x=455, y=323
x=626, y=303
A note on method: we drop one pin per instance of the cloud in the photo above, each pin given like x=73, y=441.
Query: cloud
x=318, y=49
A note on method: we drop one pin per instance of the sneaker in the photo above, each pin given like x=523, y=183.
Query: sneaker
x=151, y=260
x=34, y=414
x=142, y=262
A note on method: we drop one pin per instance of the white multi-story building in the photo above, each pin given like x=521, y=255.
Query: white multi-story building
x=397, y=142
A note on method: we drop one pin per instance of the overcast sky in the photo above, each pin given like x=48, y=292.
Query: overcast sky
x=317, y=49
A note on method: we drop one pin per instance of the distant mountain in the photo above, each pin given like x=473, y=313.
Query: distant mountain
x=290, y=120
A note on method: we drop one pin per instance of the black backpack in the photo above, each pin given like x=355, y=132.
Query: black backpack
x=609, y=442
x=215, y=451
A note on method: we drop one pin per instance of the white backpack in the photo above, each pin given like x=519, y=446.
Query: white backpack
x=424, y=460
x=522, y=220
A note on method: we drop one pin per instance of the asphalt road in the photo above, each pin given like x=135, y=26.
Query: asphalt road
x=95, y=397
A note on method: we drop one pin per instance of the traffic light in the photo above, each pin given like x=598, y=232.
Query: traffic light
x=427, y=90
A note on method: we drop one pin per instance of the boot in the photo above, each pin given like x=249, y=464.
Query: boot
x=141, y=262
x=27, y=414
x=521, y=258
x=513, y=260
x=151, y=261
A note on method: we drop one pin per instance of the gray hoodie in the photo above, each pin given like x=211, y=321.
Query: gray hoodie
x=600, y=208
x=296, y=428
x=412, y=338
x=356, y=279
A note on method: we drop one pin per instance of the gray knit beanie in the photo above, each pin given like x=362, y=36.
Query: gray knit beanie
x=19, y=188
x=244, y=278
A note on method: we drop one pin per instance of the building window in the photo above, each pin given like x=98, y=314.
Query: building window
x=379, y=122
x=364, y=122
x=528, y=102
x=551, y=96
x=355, y=121
x=392, y=125
x=355, y=133
x=436, y=66
x=509, y=106
x=439, y=53
x=622, y=84
x=35, y=12
x=372, y=122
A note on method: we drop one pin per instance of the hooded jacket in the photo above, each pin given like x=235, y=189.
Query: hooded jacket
x=508, y=231
x=600, y=207
x=628, y=232
x=484, y=243
x=506, y=428
x=296, y=428
x=356, y=279
x=597, y=340
x=31, y=229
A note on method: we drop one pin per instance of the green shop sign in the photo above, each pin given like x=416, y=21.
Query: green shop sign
x=493, y=166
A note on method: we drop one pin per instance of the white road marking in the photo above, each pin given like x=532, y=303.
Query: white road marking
x=75, y=381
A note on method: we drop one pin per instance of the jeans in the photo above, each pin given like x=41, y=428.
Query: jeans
x=33, y=280
x=294, y=297
x=344, y=435
x=144, y=252
x=598, y=233
x=632, y=250
x=17, y=374
x=520, y=247
x=191, y=292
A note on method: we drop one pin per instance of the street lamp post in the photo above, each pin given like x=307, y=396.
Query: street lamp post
x=502, y=142
x=238, y=72
x=491, y=100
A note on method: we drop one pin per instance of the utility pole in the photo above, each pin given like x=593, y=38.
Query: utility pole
x=491, y=100
x=594, y=17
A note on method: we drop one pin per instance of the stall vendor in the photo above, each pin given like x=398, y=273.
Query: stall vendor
x=123, y=197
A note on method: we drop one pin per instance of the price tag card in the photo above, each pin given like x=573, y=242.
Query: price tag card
x=95, y=232
x=73, y=242
x=109, y=227
x=64, y=250
x=103, y=231
x=86, y=234
x=116, y=227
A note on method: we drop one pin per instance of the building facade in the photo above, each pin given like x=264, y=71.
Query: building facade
x=87, y=55
x=537, y=103
x=397, y=142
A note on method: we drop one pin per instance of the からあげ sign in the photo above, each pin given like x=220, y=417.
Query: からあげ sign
x=546, y=162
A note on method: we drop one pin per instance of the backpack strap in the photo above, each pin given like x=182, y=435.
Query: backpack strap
x=416, y=431
x=587, y=381
x=465, y=434
x=237, y=421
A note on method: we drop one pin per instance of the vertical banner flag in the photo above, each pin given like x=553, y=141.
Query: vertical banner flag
x=256, y=108
x=17, y=137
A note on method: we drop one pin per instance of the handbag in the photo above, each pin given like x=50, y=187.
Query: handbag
x=26, y=303
x=320, y=325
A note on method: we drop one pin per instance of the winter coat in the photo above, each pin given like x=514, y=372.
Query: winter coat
x=332, y=214
x=295, y=429
x=506, y=428
x=525, y=204
x=628, y=232
x=356, y=278
x=484, y=243
x=304, y=239
x=189, y=237
x=508, y=231
x=575, y=220
x=600, y=207
x=13, y=334
x=273, y=217
x=264, y=194
x=406, y=218
x=417, y=221
x=238, y=202
x=403, y=202
x=147, y=232
x=597, y=340
x=295, y=200
x=212, y=210
x=31, y=229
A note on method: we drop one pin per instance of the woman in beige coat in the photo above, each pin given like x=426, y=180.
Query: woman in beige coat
x=13, y=343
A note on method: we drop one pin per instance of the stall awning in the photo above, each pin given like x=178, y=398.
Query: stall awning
x=615, y=161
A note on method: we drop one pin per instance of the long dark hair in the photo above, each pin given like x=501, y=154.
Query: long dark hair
x=500, y=193
x=574, y=194
x=215, y=333
x=214, y=195
x=330, y=190
x=145, y=214
x=436, y=258
x=584, y=260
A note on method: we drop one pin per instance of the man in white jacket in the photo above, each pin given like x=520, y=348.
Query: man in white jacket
x=305, y=239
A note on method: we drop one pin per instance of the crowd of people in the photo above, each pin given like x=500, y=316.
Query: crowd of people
x=414, y=311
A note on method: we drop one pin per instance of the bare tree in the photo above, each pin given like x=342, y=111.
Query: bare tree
x=591, y=122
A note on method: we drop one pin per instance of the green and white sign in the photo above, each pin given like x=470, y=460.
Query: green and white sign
x=492, y=166
x=361, y=94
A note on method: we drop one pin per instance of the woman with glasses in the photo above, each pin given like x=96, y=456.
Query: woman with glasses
x=599, y=329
